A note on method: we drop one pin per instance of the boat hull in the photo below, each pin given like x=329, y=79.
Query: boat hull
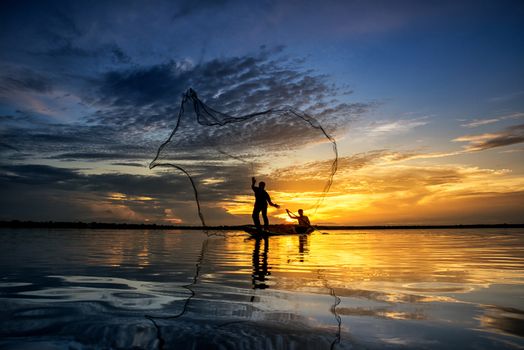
x=278, y=230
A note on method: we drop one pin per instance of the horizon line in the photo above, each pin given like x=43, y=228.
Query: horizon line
x=105, y=225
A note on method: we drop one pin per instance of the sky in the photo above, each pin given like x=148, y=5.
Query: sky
x=424, y=98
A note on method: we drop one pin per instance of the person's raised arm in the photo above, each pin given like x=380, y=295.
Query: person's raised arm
x=253, y=182
x=292, y=216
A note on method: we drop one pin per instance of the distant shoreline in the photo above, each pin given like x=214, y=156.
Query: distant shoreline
x=126, y=226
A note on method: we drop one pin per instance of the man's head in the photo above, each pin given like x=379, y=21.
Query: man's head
x=300, y=212
x=262, y=184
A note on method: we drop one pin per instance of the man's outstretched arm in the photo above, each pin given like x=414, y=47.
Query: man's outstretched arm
x=253, y=182
x=271, y=203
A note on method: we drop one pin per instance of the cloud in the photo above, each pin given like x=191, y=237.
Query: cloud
x=142, y=86
x=24, y=79
x=507, y=97
x=236, y=85
x=370, y=184
x=43, y=139
x=480, y=122
x=130, y=164
x=376, y=190
x=6, y=146
x=132, y=107
x=135, y=197
x=510, y=136
x=317, y=171
x=388, y=127
x=36, y=174
x=142, y=102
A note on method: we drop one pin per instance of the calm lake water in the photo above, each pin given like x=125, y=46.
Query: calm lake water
x=419, y=289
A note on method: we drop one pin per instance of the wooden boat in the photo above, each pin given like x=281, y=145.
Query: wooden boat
x=278, y=230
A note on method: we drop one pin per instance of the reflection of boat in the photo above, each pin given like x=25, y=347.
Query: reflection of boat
x=278, y=230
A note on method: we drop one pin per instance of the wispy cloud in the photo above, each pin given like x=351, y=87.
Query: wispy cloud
x=480, y=122
x=387, y=127
x=507, y=97
x=509, y=136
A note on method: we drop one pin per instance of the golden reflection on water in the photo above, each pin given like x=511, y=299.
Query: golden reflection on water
x=433, y=264
x=423, y=263
x=393, y=268
x=391, y=274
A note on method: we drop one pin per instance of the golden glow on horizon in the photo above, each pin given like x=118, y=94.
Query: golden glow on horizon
x=379, y=187
x=390, y=193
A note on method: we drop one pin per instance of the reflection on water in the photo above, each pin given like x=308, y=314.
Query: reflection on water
x=503, y=320
x=260, y=267
x=433, y=289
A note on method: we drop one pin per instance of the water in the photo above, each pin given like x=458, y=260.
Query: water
x=100, y=289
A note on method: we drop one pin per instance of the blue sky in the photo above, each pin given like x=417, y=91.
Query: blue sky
x=88, y=91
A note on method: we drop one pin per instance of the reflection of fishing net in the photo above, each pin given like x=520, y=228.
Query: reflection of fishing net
x=215, y=149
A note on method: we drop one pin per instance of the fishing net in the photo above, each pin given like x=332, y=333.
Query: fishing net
x=218, y=153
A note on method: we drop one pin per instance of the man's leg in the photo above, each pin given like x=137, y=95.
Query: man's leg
x=256, y=219
x=264, y=216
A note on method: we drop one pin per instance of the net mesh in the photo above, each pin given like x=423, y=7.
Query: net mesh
x=206, y=145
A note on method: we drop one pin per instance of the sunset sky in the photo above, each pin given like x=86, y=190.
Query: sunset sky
x=424, y=98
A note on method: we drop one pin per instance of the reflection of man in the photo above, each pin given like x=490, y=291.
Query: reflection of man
x=261, y=201
x=260, y=266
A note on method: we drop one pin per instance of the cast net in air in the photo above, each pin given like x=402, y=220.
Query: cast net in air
x=219, y=152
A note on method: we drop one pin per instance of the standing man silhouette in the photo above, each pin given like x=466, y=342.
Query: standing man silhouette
x=261, y=201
